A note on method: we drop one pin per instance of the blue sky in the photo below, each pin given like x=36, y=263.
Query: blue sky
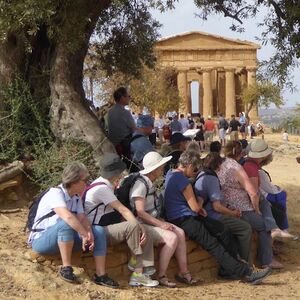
x=183, y=19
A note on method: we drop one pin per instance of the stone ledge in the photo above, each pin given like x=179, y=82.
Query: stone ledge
x=200, y=261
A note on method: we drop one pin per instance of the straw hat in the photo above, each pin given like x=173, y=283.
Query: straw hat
x=259, y=149
x=153, y=160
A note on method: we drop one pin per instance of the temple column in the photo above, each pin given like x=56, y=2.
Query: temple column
x=251, y=78
x=183, y=86
x=230, y=107
x=207, y=93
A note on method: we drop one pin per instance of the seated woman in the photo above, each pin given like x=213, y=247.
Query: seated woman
x=259, y=151
x=240, y=194
x=275, y=195
x=207, y=186
x=183, y=210
x=170, y=237
x=67, y=228
x=104, y=209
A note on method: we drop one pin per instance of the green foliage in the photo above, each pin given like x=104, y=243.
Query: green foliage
x=23, y=123
x=263, y=94
x=281, y=29
x=49, y=162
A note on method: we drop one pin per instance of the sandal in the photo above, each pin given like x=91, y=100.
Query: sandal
x=164, y=281
x=182, y=278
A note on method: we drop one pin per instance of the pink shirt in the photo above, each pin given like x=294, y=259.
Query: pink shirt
x=235, y=195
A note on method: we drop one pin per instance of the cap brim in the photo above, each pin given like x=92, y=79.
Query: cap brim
x=162, y=162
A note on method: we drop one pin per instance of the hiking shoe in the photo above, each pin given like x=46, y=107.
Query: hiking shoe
x=148, y=271
x=105, y=281
x=138, y=279
x=257, y=276
x=66, y=273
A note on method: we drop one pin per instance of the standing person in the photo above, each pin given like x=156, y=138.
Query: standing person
x=120, y=123
x=200, y=134
x=191, y=121
x=223, y=126
x=184, y=123
x=104, y=209
x=242, y=121
x=153, y=135
x=66, y=228
x=172, y=238
x=285, y=137
x=175, y=125
x=234, y=128
x=209, y=126
x=140, y=144
x=160, y=122
x=183, y=210
x=260, y=129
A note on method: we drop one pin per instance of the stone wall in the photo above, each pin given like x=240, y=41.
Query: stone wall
x=200, y=261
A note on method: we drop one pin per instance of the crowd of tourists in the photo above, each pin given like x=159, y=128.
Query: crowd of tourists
x=168, y=197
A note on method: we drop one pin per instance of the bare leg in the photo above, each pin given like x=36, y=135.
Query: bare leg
x=100, y=265
x=65, y=249
x=170, y=243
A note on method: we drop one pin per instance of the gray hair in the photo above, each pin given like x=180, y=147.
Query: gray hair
x=190, y=158
x=72, y=173
x=193, y=146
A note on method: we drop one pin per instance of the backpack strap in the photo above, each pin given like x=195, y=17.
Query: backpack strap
x=83, y=196
x=48, y=215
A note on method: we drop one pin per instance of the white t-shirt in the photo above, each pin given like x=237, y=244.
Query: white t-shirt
x=285, y=137
x=139, y=189
x=99, y=194
x=54, y=198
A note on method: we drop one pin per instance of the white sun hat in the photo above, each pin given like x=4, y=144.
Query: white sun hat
x=259, y=149
x=153, y=160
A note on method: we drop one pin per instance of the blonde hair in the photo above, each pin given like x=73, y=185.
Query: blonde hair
x=233, y=149
x=193, y=146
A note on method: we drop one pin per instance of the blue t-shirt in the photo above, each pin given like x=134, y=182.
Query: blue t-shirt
x=208, y=188
x=139, y=147
x=176, y=205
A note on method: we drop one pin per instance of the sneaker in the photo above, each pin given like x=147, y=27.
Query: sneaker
x=105, y=281
x=148, y=271
x=257, y=276
x=66, y=273
x=138, y=279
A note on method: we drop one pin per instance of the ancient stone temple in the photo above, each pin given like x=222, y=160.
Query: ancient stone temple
x=223, y=68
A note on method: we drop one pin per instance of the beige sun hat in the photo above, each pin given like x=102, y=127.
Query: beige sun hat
x=259, y=149
x=153, y=160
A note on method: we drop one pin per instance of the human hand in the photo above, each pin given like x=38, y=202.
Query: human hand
x=202, y=212
x=91, y=240
x=236, y=213
x=167, y=226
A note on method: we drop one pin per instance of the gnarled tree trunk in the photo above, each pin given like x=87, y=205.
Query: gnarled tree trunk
x=70, y=114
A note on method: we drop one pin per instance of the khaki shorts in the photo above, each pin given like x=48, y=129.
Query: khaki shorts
x=234, y=135
x=156, y=233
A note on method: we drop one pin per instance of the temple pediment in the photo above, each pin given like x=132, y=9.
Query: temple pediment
x=196, y=40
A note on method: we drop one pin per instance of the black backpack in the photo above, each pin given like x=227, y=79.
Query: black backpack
x=33, y=210
x=122, y=192
x=113, y=217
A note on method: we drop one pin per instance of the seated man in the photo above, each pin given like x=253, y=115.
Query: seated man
x=104, y=209
x=183, y=210
x=66, y=228
x=207, y=186
x=140, y=144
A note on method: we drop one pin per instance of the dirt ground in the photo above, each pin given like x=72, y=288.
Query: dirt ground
x=23, y=279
